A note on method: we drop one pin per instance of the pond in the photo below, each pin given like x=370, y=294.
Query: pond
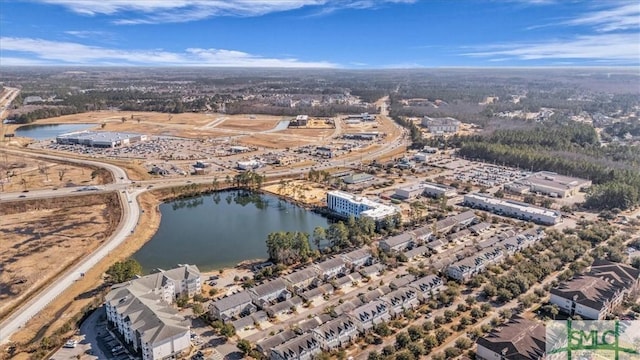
x=49, y=131
x=222, y=229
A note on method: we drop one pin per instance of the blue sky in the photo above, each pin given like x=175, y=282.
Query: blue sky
x=321, y=33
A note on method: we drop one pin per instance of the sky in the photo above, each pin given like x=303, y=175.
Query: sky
x=351, y=34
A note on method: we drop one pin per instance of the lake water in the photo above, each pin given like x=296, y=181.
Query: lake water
x=221, y=230
x=49, y=131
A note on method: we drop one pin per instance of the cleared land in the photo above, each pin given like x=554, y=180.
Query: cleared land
x=18, y=173
x=41, y=238
x=305, y=192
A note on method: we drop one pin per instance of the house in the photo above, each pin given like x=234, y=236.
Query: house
x=370, y=314
x=331, y=268
x=357, y=258
x=597, y=293
x=302, y=279
x=397, y=243
x=427, y=286
x=336, y=333
x=518, y=339
x=270, y=291
x=231, y=306
x=301, y=348
x=146, y=322
x=402, y=299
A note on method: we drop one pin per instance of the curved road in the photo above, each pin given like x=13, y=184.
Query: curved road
x=130, y=218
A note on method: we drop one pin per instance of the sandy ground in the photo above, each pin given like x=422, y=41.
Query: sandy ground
x=41, y=174
x=61, y=309
x=261, y=124
x=300, y=190
x=40, y=239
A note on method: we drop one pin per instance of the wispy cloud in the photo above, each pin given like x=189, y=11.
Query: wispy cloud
x=86, y=34
x=70, y=53
x=619, y=17
x=173, y=11
x=602, y=47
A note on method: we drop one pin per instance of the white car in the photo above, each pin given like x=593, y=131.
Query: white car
x=70, y=344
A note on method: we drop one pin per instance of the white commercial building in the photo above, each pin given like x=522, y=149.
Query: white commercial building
x=101, y=139
x=514, y=209
x=549, y=183
x=441, y=125
x=248, y=165
x=351, y=205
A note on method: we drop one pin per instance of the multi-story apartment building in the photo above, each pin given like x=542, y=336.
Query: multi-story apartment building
x=140, y=311
x=346, y=205
x=518, y=339
x=597, y=293
x=336, y=333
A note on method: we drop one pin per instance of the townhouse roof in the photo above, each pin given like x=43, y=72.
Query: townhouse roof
x=302, y=275
x=280, y=338
x=397, y=240
x=417, y=251
x=518, y=339
x=231, y=301
x=335, y=327
x=400, y=296
x=370, y=310
x=357, y=254
x=427, y=283
x=330, y=264
x=269, y=287
x=292, y=349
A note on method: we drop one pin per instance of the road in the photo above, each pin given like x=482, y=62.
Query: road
x=131, y=215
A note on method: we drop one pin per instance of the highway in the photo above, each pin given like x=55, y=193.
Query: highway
x=128, y=193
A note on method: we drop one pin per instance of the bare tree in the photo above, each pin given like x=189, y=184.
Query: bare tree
x=44, y=170
x=61, y=173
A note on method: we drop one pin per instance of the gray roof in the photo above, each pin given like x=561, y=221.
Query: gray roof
x=519, y=339
x=330, y=264
x=418, y=251
x=401, y=239
x=302, y=275
x=269, y=287
x=293, y=348
x=232, y=301
x=280, y=338
x=357, y=254
x=335, y=327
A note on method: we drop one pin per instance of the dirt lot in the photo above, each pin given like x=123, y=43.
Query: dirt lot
x=300, y=190
x=261, y=124
x=41, y=238
x=41, y=174
x=58, y=312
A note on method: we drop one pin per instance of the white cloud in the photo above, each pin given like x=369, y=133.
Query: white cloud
x=621, y=17
x=603, y=47
x=70, y=53
x=165, y=11
x=84, y=34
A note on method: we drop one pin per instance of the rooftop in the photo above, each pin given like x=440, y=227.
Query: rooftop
x=520, y=206
x=518, y=339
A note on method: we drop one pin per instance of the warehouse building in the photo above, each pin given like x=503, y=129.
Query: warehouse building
x=548, y=183
x=514, y=209
x=106, y=139
x=441, y=126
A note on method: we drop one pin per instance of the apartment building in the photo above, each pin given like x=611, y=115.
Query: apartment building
x=270, y=291
x=331, y=268
x=301, y=279
x=358, y=257
x=146, y=321
x=427, y=287
x=597, y=293
x=404, y=298
x=518, y=339
x=440, y=126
